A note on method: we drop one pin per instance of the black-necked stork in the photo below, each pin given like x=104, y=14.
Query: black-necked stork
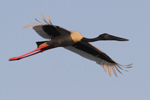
x=73, y=41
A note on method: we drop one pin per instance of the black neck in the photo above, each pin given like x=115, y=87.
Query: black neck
x=90, y=40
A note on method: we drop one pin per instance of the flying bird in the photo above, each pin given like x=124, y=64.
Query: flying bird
x=75, y=42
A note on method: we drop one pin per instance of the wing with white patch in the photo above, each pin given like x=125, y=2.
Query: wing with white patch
x=39, y=29
x=88, y=51
x=47, y=30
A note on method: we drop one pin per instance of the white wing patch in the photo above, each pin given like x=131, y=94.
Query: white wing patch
x=106, y=65
x=40, y=31
x=38, y=27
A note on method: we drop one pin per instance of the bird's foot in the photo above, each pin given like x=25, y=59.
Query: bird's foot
x=14, y=58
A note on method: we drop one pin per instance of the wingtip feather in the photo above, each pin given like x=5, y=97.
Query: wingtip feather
x=126, y=66
x=118, y=69
x=109, y=70
x=49, y=19
x=44, y=19
x=114, y=70
x=105, y=68
x=30, y=25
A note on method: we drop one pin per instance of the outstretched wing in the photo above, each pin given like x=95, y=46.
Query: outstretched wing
x=47, y=30
x=88, y=51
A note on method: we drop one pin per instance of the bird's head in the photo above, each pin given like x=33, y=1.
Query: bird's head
x=106, y=36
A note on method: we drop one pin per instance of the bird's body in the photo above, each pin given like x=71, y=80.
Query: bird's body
x=73, y=41
x=62, y=38
x=67, y=39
